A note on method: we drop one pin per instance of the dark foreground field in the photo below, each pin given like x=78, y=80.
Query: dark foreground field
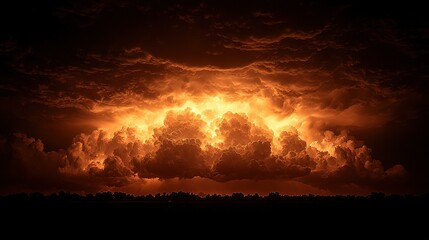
x=389, y=214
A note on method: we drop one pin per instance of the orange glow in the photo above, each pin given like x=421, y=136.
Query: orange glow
x=226, y=140
x=211, y=109
x=220, y=137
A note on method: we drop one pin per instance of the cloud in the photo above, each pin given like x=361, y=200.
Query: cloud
x=181, y=148
x=181, y=159
x=349, y=162
x=24, y=155
x=185, y=125
x=113, y=173
x=27, y=167
x=236, y=130
x=233, y=166
x=113, y=167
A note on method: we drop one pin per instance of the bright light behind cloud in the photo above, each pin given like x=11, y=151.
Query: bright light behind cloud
x=211, y=110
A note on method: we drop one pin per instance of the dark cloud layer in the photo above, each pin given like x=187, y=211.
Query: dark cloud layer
x=106, y=88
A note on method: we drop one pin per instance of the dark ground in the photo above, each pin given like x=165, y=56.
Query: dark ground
x=376, y=213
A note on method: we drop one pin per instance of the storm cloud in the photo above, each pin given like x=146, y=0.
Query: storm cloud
x=104, y=95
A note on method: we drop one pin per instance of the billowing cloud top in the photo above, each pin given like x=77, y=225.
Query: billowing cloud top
x=296, y=97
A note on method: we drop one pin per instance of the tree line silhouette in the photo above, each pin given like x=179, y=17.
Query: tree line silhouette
x=177, y=197
x=118, y=208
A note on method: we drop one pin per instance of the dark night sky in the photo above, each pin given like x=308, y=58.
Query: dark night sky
x=81, y=79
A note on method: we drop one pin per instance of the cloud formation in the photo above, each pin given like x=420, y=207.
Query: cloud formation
x=179, y=149
x=267, y=91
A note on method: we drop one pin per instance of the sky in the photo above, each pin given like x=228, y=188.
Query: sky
x=294, y=97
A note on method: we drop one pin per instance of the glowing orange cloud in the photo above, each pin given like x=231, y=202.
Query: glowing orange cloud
x=255, y=133
x=219, y=137
x=211, y=110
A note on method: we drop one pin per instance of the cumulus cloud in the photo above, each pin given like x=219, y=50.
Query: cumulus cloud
x=113, y=167
x=25, y=162
x=349, y=162
x=181, y=159
x=233, y=166
x=113, y=173
x=27, y=167
x=176, y=150
x=236, y=130
x=185, y=125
